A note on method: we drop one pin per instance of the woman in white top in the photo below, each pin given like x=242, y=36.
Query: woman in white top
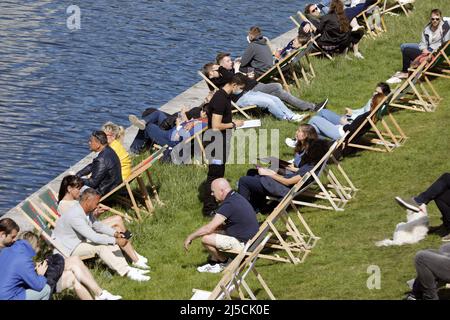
x=68, y=196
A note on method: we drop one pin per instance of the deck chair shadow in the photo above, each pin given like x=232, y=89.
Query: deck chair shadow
x=375, y=122
x=137, y=174
x=44, y=223
x=234, y=278
x=241, y=110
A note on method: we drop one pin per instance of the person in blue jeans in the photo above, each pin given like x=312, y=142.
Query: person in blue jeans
x=20, y=279
x=329, y=124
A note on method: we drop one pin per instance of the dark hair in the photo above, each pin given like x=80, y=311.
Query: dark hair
x=100, y=136
x=308, y=6
x=239, y=79
x=207, y=69
x=88, y=193
x=385, y=88
x=255, y=32
x=7, y=226
x=221, y=55
x=337, y=6
x=69, y=181
x=311, y=134
x=316, y=150
x=436, y=11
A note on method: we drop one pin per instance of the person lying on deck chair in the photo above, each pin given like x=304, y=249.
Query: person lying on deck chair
x=232, y=226
x=263, y=182
x=227, y=69
x=436, y=33
x=80, y=234
x=248, y=97
x=304, y=133
x=69, y=195
x=328, y=124
x=105, y=170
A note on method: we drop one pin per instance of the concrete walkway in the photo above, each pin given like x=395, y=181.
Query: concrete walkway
x=192, y=97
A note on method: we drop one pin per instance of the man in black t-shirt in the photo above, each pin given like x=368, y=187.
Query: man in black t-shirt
x=220, y=120
x=238, y=220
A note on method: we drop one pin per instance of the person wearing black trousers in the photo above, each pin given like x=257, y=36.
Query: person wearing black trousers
x=439, y=191
x=220, y=119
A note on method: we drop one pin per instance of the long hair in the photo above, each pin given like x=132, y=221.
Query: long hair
x=376, y=100
x=337, y=7
x=68, y=181
x=116, y=130
x=316, y=150
x=310, y=133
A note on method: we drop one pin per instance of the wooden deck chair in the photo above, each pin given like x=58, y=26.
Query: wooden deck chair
x=337, y=199
x=137, y=173
x=41, y=221
x=385, y=135
x=48, y=201
x=235, y=106
x=364, y=16
x=339, y=180
x=234, y=278
x=293, y=239
x=411, y=95
x=398, y=4
x=197, y=137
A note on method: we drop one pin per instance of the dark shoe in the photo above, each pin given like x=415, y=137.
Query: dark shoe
x=410, y=203
x=446, y=238
x=440, y=230
x=320, y=106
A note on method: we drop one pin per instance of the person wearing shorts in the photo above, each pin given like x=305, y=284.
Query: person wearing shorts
x=233, y=225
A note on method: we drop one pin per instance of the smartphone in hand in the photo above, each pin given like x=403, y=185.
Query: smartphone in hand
x=127, y=234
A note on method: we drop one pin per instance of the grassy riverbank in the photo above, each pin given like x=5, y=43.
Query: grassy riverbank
x=337, y=267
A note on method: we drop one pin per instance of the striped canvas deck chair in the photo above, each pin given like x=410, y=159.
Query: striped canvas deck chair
x=321, y=185
x=241, y=110
x=42, y=222
x=375, y=123
x=234, y=278
x=398, y=4
x=411, y=94
x=137, y=174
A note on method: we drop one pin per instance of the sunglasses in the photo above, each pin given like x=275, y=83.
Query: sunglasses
x=435, y=19
x=315, y=9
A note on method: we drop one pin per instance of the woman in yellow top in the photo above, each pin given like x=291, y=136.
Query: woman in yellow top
x=115, y=135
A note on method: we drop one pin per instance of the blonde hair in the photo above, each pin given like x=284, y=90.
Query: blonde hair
x=118, y=131
x=32, y=238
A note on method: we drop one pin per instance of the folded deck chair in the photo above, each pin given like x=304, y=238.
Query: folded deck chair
x=234, y=278
x=137, y=173
x=370, y=123
x=336, y=201
x=235, y=106
x=397, y=4
x=412, y=95
x=293, y=239
x=41, y=221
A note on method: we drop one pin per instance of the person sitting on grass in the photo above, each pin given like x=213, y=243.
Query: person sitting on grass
x=80, y=234
x=9, y=230
x=328, y=124
x=105, y=170
x=436, y=33
x=256, y=186
x=439, y=192
x=232, y=226
x=115, y=135
x=227, y=70
x=432, y=267
x=69, y=195
x=248, y=97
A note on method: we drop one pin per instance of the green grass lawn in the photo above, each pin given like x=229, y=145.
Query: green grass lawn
x=337, y=266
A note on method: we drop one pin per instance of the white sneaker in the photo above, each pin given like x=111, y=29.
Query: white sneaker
x=393, y=80
x=135, y=121
x=105, y=295
x=298, y=117
x=290, y=142
x=140, y=264
x=358, y=55
x=144, y=259
x=212, y=268
x=136, y=275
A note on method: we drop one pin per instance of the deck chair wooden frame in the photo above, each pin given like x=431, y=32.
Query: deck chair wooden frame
x=292, y=236
x=397, y=5
x=339, y=180
x=364, y=16
x=412, y=94
x=235, y=275
x=387, y=137
x=198, y=137
x=241, y=110
x=137, y=173
x=337, y=199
